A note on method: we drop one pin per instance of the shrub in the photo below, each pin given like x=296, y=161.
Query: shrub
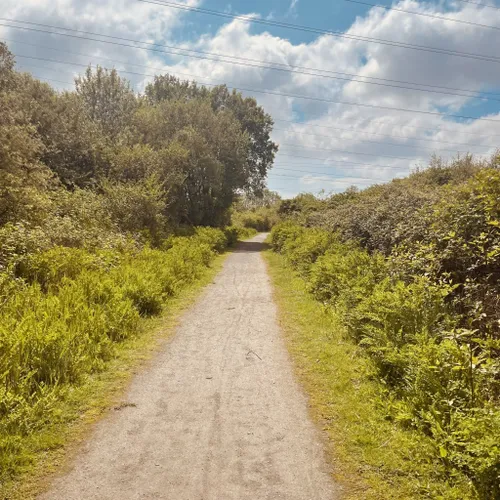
x=346, y=274
x=64, y=311
x=260, y=219
x=439, y=377
x=282, y=233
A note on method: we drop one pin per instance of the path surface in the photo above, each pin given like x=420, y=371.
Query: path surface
x=217, y=415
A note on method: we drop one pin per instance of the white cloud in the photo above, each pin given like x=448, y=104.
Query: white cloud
x=323, y=126
x=117, y=18
x=292, y=10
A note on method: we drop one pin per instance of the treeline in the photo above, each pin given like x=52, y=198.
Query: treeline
x=412, y=268
x=102, y=195
x=92, y=166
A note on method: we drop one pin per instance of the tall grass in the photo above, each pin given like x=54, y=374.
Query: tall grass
x=63, y=312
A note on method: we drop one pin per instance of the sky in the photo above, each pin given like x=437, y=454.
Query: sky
x=354, y=109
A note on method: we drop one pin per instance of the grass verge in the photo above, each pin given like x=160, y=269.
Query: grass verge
x=372, y=456
x=48, y=451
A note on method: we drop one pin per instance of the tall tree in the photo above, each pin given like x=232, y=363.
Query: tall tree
x=253, y=119
x=109, y=98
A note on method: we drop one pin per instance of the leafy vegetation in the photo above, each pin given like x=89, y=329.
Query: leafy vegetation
x=417, y=288
x=178, y=155
x=63, y=312
x=256, y=212
x=372, y=457
x=111, y=204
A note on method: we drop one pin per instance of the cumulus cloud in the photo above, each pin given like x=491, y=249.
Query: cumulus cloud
x=360, y=144
x=114, y=18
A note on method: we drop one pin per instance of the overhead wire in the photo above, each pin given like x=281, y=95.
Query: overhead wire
x=308, y=134
x=334, y=33
x=479, y=4
x=295, y=132
x=309, y=148
x=396, y=136
x=238, y=60
x=332, y=179
x=317, y=149
x=309, y=172
x=277, y=119
x=333, y=150
x=423, y=14
x=336, y=128
x=293, y=170
x=298, y=96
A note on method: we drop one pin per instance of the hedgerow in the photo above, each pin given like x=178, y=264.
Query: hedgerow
x=427, y=315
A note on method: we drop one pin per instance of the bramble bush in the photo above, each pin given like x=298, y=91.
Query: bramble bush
x=426, y=316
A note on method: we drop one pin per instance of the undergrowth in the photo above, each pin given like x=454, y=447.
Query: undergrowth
x=372, y=458
x=63, y=314
x=437, y=377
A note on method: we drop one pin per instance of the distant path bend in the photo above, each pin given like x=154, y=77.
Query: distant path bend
x=216, y=416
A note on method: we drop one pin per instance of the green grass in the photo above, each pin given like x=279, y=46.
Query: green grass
x=47, y=451
x=372, y=456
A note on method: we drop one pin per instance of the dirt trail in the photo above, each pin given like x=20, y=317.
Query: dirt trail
x=216, y=416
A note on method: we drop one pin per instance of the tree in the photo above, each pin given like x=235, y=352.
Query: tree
x=253, y=120
x=24, y=180
x=258, y=125
x=6, y=68
x=108, y=98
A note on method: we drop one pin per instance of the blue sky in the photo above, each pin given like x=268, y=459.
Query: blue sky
x=326, y=15
x=352, y=130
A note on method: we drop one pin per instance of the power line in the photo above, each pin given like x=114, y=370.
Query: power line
x=242, y=61
x=324, y=126
x=277, y=119
x=326, y=150
x=479, y=4
x=329, y=160
x=396, y=136
x=325, y=136
x=347, y=152
x=334, y=166
x=281, y=168
x=66, y=62
x=332, y=179
x=326, y=32
x=423, y=14
x=307, y=172
x=319, y=149
x=306, y=148
x=297, y=96
x=427, y=129
x=304, y=171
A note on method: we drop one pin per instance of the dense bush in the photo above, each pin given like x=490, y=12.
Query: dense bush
x=384, y=215
x=412, y=269
x=262, y=220
x=256, y=212
x=62, y=312
x=438, y=361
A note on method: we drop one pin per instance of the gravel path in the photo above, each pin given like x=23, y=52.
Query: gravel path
x=216, y=416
